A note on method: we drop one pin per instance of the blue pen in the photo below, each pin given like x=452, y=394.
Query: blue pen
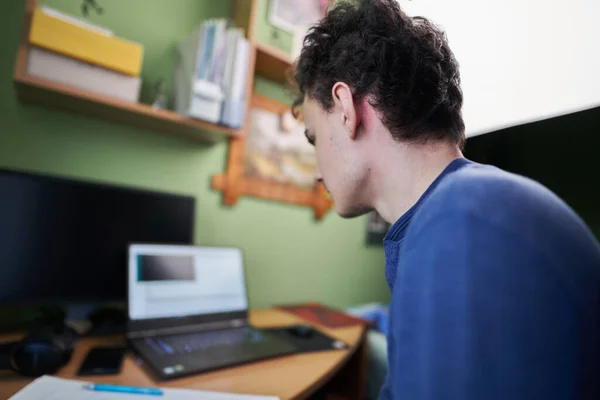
x=124, y=389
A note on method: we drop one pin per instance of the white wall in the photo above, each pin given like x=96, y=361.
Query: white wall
x=521, y=60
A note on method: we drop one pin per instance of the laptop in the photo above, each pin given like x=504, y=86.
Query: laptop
x=188, y=311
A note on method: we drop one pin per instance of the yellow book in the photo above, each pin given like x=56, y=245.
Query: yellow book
x=58, y=35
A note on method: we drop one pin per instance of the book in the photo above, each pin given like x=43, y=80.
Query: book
x=57, y=34
x=211, y=73
x=322, y=315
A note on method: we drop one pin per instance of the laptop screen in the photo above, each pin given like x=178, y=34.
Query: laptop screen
x=179, y=281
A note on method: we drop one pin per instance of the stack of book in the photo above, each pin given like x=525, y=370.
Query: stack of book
x=211, y=74
x=73, y=52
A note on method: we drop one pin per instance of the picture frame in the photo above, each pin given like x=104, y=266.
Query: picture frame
x=289, y=14
x=275, y=174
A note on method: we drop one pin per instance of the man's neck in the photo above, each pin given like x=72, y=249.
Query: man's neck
x=406, y=172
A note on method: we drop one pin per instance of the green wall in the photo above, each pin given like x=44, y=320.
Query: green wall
x=294, y=258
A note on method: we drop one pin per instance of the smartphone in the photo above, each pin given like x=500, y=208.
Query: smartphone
x=102, y=361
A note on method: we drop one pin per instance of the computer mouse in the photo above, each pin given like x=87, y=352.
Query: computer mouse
x=301, y=330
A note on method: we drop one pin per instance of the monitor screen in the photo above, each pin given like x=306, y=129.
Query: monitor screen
x=184, y=281
x=65, y=240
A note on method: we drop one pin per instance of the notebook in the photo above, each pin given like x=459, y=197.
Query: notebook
x=51, y=388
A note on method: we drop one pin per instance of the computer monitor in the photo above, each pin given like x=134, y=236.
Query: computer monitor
x=65, y=240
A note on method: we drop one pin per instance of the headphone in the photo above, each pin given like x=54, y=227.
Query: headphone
x=42, y=351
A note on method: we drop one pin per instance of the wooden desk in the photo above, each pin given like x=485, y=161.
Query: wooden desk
x=338, y=373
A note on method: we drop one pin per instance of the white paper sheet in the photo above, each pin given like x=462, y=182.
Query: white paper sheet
x=51, y=388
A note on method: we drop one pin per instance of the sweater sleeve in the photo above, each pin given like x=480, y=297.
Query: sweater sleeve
x=477, y=313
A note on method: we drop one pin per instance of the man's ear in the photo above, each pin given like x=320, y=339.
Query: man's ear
x=345, y=108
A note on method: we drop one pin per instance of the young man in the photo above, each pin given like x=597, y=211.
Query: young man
x=495, y=281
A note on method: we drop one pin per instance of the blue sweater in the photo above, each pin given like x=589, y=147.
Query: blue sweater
x=495, y=293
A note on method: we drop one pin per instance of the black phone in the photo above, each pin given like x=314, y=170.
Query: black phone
x=102, y=361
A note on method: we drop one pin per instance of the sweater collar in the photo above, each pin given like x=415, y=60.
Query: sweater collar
x=398, y=230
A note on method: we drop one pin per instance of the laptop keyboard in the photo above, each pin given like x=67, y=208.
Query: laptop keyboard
x=202, y=341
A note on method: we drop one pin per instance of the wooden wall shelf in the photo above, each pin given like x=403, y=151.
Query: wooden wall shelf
x=33, y=90
x=272, y=63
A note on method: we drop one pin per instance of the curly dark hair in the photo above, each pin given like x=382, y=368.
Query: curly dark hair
x=402, y=65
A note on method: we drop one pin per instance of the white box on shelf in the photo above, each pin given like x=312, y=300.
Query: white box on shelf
x=69, y=71
x=206, y=101
x=194, y=96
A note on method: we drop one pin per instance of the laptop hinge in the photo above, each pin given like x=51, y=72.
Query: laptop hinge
x=174, y=330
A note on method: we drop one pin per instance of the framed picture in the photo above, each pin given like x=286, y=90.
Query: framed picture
x=289, y=14
x=277, y=150
x=273, y=161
